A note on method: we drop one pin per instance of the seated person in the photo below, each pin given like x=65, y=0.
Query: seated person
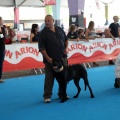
x=81, y=35
x=11, y=32
x=90, y=31
x=117, y=72
x=72, y=34
x=107, y=33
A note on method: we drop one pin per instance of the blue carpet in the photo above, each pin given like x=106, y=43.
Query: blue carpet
x=22, y=99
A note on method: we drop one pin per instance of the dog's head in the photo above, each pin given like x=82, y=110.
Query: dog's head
x=57, y=65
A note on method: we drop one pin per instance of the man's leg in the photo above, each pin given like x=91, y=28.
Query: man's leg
x=49, y=82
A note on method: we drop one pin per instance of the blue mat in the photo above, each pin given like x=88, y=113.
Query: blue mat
x=22, y=99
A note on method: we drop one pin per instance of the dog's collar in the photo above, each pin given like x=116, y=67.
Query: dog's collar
x=59, y=70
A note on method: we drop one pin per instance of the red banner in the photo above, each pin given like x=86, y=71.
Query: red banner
x=50, y=2
x=27, y=56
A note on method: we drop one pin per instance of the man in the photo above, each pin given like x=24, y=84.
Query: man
x=53, y=43
x=114, y=31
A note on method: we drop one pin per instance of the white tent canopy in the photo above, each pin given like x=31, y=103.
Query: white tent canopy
x=28, y=9
x=23, y=3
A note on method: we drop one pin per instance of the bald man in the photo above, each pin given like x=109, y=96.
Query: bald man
x=53, y=43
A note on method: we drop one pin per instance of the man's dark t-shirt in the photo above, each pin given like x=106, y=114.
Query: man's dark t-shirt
x=52, y=42
x=114, y=29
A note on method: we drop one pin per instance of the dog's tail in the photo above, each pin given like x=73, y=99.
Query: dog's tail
x=85, y=86
x=85, y=83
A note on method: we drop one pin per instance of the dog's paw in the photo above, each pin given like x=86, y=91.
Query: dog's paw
x=76, y=96
x=63, y=100
x=92, y=96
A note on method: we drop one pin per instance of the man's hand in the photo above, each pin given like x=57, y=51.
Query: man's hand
x=65, y=51
x=44, y=53
x=49, y=60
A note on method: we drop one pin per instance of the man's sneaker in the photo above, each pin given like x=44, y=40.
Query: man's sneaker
x=68, y=97
x=1, y=81
x=47, y=100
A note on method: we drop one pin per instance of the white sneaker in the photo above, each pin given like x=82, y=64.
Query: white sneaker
x=68, y=97
x=47, y=100
x=1, y=81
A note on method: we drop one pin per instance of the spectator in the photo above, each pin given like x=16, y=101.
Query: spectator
x=72, y=34
x=53, y=43
x=81, y=34
x=114, y=29
x=2, y=47
x=90, y=34
x=90, y=31
x=34, y=33
x=34, y=37
x=10, y=33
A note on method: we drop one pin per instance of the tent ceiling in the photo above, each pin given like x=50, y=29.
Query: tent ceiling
x=21, y=3
x=36, y=3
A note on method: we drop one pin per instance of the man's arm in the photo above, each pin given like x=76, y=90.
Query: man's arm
x=42, y=47
x=66, y=46
x=109, y=29
x=111, y=34
x=44, y=53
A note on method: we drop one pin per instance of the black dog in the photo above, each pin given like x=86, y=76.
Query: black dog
x=65, y=74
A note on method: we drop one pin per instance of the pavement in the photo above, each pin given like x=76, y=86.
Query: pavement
x=22, y=73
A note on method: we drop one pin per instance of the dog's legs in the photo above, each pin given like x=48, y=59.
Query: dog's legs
x=91, y=93
x=76, y=82
x=63, y=85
